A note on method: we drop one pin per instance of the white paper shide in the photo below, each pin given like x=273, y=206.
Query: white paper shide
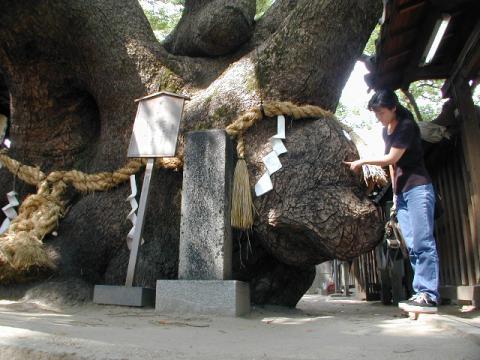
x=277, y=146
x=132, y=215
x=9, y=211
x=271, y=160
x=263, y=185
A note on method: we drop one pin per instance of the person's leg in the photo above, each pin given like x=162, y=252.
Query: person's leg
x=403, y=218
x=420, y=202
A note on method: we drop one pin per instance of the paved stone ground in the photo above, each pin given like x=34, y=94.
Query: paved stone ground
x=319, y=328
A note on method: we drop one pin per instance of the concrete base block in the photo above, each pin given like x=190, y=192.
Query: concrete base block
x=123, y=295
x=205, y=297
x=462, y=293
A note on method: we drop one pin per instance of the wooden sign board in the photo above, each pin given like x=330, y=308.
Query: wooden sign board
x=155, y=130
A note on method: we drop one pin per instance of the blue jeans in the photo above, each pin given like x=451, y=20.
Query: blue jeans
x=415, y=209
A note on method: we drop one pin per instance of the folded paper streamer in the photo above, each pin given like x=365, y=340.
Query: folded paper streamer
x=9, y=211
x=271, y=160
x=280, y=127
x=263, y=185
x=132, y=215
x=277, y=146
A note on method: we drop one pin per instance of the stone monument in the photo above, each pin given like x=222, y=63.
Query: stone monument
x=205, y=256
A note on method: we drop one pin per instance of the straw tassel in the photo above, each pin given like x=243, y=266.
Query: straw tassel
x=242, y=203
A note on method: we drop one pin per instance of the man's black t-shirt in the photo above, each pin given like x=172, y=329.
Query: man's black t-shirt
x=410, y=170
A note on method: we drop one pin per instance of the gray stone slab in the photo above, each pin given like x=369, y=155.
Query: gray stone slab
x=123, y=295
x=205, y=233
x=203, y=297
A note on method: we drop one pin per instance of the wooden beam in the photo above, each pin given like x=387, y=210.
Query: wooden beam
x=420, y=45
x=464, y=65
x=407, y=6
x=448, y=5
x=429, y=72
x=412, y=31
x=389, y=11
x=392, y=65
x=392, y=79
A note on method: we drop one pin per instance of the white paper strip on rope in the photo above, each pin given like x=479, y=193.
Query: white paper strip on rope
x=277, y=146
x=12, y=199
x=263, y=185
x=9, y=211
x=272, y=162
x=280, y=127
x=132, y=215
x=5, y=225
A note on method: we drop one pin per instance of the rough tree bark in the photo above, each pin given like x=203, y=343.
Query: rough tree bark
x=204, y=31
x=73, y=69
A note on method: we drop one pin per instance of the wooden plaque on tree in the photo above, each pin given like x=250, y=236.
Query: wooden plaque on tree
x=155, y=130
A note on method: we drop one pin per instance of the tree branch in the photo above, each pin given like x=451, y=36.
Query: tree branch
x=272, y=19
x=308, y=40
x=412, y=102
x=212, y=27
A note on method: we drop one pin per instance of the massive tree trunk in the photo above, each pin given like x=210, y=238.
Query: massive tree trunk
x=73, y=69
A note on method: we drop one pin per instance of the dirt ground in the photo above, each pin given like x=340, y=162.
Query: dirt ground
x=320, y=327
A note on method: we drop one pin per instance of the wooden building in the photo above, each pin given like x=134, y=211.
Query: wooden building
x=440, y=39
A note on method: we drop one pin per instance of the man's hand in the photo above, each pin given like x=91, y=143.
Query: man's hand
x=355, y=166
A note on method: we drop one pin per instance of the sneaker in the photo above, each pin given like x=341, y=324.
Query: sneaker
x=403, y=303
x=421, y=304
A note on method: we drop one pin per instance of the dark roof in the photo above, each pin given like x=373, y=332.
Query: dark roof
x=406, y=30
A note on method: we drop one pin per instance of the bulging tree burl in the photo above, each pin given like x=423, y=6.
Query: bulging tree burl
x=73, y=69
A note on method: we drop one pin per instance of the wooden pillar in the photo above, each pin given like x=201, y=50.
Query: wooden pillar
x=470, y=130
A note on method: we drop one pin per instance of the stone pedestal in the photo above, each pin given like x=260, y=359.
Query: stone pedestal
x=209, y=297
x=123, y=295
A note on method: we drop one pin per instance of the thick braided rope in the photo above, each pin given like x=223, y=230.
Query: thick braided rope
x=29, y=174
x=96, y=182
x=297, y=112
x=242, y=123
x=241, y=146
x=105, y=181
x=21, y=247
x=81, y=181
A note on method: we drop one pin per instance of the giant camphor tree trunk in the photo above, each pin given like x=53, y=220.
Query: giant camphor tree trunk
x=73, y=69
